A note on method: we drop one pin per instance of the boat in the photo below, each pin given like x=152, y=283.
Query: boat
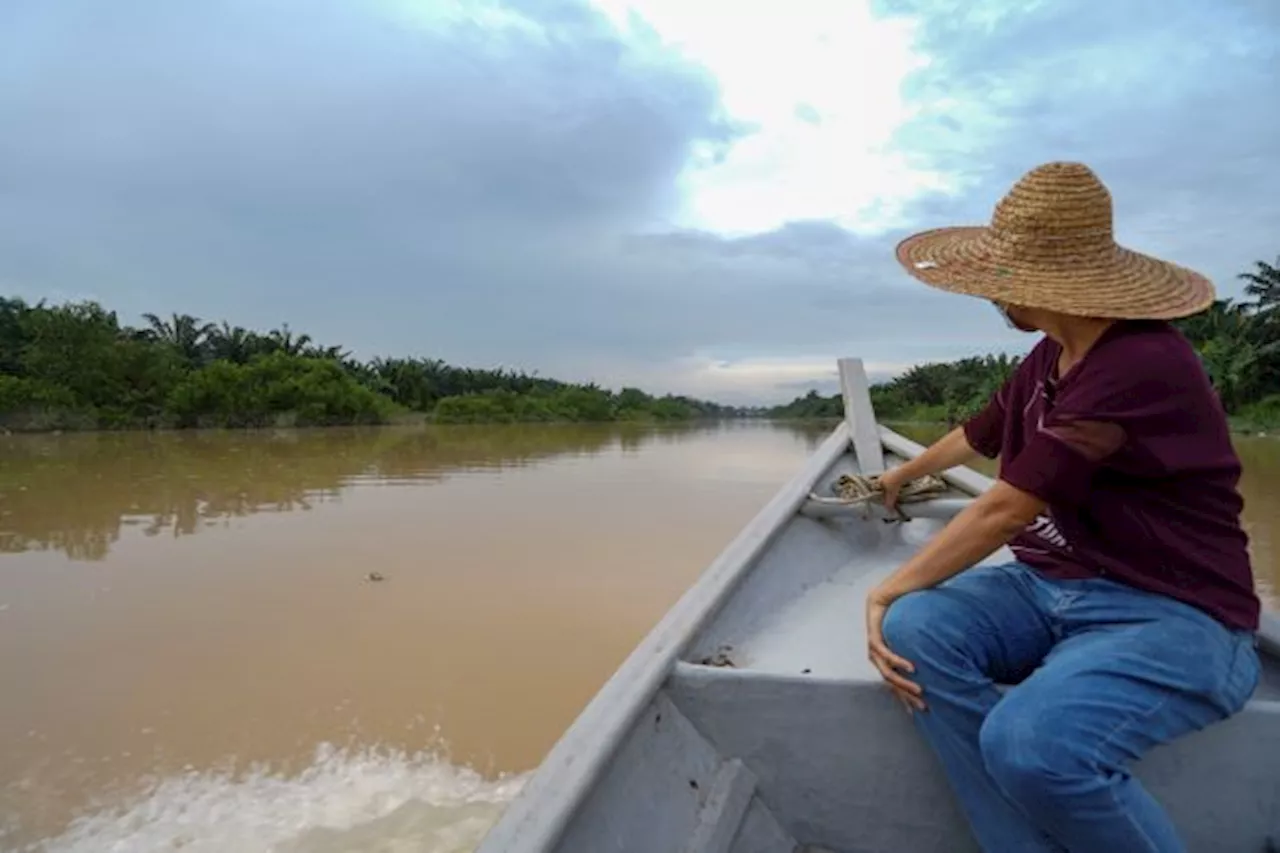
x=750, y=721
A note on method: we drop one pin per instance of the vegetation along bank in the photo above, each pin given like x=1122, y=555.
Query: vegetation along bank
x=75, y=366
x=1238, y=341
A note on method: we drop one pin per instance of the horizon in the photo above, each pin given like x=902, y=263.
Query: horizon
x=645, y=193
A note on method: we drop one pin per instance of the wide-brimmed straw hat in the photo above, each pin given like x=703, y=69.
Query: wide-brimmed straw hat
x=1050, y=245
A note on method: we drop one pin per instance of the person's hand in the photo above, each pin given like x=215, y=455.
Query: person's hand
x=891, y=482
x=890, y=665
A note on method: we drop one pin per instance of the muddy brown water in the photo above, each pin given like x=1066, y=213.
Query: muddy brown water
x=192, y=654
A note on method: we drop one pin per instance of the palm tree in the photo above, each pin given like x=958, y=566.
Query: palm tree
x=284, y=340
x=1224, y=318
x=335, y=353
x=184, y=333
x=13, y=333
x=1236, y=366
x=232, y=343
x=1263, y=286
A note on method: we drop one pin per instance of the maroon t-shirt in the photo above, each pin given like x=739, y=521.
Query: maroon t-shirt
x=1132, y=453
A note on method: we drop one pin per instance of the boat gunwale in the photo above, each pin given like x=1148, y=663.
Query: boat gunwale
x=539, y=814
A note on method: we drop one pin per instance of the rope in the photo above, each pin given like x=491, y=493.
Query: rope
x=861, y=489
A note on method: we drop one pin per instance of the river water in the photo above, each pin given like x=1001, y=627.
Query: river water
x=193, y=656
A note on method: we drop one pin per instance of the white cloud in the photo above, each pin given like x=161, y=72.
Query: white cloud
x=441, y=14
x=819, y=83
x=742, y=381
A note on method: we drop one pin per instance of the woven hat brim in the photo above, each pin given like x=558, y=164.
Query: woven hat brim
x=1120, y=284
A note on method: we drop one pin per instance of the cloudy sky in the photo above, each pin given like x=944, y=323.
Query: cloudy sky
x=698, y=196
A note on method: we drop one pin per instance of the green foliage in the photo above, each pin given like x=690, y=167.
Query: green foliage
x=1238, y=343
x=571, y=403
x=925, y=393
x=274, y=389
x=29, y=404
x=74, y=366
x=814, y=406
x=944, y=392
x=1261, y=416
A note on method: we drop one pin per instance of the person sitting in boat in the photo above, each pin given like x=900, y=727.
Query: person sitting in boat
x=1128, y=618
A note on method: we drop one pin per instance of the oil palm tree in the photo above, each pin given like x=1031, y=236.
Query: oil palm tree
x=284, y=340
x=1264, y=286
x=187, y=334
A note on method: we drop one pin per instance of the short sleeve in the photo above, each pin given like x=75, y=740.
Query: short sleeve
x=1059, y=461
x=985, y=430
x=1102, y=410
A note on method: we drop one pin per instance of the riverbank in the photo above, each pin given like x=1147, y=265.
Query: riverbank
x=1261, y=418
x=280, y=391
x=335, y=400
x=58, y=423
x=1251, y=426
x=75, y=367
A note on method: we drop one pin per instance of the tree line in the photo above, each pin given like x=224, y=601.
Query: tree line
x=76, y=366
x=1238, y=343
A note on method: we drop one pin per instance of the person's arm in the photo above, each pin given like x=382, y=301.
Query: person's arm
x=994, y=518
x=1056, y=467
x=981, y=435
x=947, y=452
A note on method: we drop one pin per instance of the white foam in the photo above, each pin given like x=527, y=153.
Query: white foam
x=373, y=801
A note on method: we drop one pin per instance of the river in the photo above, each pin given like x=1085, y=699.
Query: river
x=193, y=654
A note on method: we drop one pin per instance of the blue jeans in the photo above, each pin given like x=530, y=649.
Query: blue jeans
x=1104, y=672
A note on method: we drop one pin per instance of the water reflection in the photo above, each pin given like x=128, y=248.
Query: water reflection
x=521, y=564
x=75, y=493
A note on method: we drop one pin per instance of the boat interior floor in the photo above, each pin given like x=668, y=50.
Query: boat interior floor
x=779, y=683
x=806, y=619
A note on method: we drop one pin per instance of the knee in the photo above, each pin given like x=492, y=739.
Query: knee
x=1029, y=759
x=909, y=625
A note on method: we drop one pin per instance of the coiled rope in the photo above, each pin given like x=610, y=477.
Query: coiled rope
x=862, y=489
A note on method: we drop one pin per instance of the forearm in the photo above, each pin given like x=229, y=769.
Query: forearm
x=947, y=452
x=982, y=527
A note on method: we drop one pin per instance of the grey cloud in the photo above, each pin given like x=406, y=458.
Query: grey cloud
x=314, y=155
x=280, y=105
x=431, y=193
x=498, y=198
x=1164, y=99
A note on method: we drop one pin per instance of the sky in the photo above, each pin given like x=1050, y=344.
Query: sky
x=692, y=196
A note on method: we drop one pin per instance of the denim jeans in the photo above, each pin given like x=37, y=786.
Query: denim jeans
x=1103, y=673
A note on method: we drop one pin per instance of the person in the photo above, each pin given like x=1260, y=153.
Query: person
x=1128, y=616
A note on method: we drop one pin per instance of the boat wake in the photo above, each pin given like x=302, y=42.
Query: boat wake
x=372, y=801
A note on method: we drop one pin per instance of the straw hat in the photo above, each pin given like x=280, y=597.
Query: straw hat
x=1050, y=245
